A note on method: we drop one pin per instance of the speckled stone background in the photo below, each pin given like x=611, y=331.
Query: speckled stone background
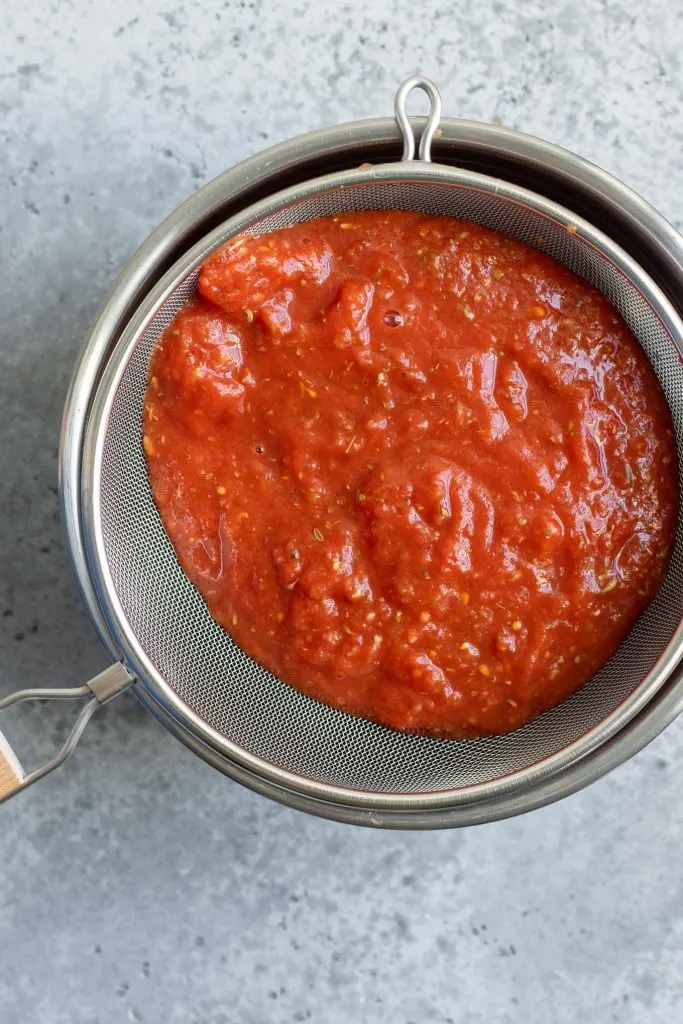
x=138, y=884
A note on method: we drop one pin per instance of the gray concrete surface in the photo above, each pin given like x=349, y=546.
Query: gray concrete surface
x=138, y=884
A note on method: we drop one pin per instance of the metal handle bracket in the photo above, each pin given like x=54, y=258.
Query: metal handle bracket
x=103, y=687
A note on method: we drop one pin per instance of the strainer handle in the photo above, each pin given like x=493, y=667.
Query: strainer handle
x=426, y=84
x=103, y=687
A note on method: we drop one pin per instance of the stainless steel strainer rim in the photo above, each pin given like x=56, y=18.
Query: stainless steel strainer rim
x=141, y=665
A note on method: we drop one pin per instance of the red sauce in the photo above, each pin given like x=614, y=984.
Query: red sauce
x=418, y=470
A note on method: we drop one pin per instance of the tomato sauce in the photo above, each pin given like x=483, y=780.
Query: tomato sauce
x=418, y=470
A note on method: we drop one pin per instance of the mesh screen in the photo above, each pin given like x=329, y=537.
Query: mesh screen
x=244, y=702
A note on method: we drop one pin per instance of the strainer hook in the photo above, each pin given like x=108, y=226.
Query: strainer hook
x=427, y=86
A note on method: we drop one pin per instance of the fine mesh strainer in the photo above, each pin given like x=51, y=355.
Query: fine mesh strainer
x=233, y=711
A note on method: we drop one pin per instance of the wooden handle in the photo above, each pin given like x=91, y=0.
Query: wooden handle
x=11, y=774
